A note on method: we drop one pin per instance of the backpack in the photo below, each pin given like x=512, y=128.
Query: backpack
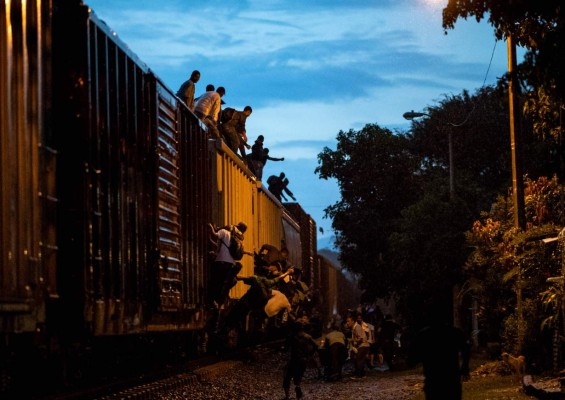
x=227, y=115
x=236, y=244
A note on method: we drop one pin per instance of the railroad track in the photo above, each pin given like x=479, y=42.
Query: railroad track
x=151, y=383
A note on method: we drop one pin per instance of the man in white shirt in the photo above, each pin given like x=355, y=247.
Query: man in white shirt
x=208, y=107
x=360, y=343
x=225, y=268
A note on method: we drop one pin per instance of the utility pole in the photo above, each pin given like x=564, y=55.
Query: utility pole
x=517, y=175
x=515, y=138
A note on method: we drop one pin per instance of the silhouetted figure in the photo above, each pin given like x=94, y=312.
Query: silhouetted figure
x=260, y=297
x=234, y=131
x=387, y=333
x=444, y=351
x=259, y=157
x=186, y=90
x=302, y=347
x=278, y=185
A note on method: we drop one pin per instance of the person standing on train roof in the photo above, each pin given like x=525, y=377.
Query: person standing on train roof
x=208, y=108
x=225, y=268
x=259, y=157
x=255, y=156
x=186, y=90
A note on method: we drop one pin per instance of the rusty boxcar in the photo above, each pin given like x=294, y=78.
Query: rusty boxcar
x=108, y=183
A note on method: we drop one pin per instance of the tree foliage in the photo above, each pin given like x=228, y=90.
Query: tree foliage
x=399, y=226
x=531, y=22
x=539, y=26
x=376, y=177
x=506, y=259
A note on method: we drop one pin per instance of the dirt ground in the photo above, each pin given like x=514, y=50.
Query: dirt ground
x=260, y=378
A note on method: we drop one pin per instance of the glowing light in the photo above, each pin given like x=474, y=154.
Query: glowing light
x=434, y=3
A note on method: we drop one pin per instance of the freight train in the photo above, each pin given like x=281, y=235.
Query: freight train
x=108, y=184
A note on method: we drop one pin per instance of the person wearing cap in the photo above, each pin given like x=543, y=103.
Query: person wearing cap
x=224, y=268
x=208, y=107
x=186, y=90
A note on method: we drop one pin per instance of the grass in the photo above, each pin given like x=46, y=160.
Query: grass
x=490, y=386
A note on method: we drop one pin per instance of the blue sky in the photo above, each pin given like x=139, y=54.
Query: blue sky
x=310, y=68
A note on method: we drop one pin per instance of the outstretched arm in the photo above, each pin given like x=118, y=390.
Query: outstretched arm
x=289, y=193
x=213, y=229
x=281, y=276
x=275, y=159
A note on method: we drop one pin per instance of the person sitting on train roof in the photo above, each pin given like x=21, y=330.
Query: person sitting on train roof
x=233, y=129
x=208, y=107
x=186, y=90
x=278, y=185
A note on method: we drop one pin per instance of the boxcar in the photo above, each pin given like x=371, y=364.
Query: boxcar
x=108, y=184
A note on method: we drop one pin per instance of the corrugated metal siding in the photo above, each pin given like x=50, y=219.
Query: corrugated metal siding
x=269, y=216
x=133, y=228
x=292, y=240
x=195, y=182
x=239, y=197
x=27, y=199
x=308, y=237
x=169, y=204
x=235, y=201
x=329, y=286
x=104, y=180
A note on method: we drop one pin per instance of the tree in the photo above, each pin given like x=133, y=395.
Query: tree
x=539, y=27
x=377, y=178
x=428, y=250
x=530, y=22
x=509, y=266
x=478, y=126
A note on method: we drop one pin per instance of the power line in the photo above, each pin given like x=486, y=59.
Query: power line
x=483, y=85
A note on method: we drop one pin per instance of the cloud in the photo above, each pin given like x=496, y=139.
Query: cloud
x=309, y=68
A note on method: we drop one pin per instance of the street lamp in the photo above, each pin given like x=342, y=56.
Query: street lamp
x=410, y=115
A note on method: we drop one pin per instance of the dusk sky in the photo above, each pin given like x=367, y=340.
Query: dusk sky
x=310, y=68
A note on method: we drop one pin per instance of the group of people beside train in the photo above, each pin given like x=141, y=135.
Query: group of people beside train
x=227, y=124
x=275, y=287
x=366, y=345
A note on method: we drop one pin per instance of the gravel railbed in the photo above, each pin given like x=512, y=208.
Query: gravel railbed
x=259, y=377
